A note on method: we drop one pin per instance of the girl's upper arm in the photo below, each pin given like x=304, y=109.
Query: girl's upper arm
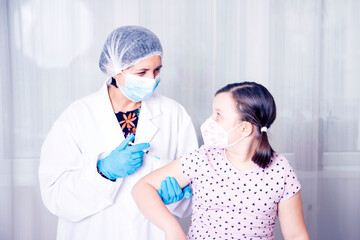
x=173, y=169
x=291, y=218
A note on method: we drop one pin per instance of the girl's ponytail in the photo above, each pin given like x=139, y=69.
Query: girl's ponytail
x=263, y=152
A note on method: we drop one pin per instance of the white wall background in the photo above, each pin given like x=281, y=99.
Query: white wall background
x=307, y=52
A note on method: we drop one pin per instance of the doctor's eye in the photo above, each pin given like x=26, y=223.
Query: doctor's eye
x=140, y=73
x=156, y=72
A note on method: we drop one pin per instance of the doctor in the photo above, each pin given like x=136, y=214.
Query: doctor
x=94, y=153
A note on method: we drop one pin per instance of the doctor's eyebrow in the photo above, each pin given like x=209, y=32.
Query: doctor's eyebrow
x=159, y=67
x=147, y=69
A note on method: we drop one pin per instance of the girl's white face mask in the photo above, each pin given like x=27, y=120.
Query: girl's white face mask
x=215, y=136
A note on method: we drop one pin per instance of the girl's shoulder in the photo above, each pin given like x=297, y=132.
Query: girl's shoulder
x=278, y=161
x=204, y=150
x=203, y=154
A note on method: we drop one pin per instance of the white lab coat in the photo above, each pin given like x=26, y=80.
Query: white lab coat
x=88, y=205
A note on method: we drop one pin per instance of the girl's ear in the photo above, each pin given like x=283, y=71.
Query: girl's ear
x=246, y=128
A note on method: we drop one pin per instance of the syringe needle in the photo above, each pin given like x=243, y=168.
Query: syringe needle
x=146, y=151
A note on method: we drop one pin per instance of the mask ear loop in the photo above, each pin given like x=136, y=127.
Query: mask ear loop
x=117, y=84
x=237, y=141
x=234, y=127
x=113, y=81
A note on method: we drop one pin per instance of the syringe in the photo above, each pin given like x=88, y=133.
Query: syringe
x=146, y=151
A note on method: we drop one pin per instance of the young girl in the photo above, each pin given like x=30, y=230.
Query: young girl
x=240, y=185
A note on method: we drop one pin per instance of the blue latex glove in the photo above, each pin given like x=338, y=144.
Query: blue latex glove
x=171, y=192
x=124, y=160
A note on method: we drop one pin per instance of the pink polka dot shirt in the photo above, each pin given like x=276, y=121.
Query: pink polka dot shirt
x=229, y=204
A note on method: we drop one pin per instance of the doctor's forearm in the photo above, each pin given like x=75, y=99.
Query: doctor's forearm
x=153, y=208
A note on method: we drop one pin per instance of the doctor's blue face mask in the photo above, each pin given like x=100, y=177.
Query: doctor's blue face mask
x=138, y=88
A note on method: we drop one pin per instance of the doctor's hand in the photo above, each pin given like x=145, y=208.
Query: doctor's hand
x=123, y=160
x=171, y=192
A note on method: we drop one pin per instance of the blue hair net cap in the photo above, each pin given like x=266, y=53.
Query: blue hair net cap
x=126, y=46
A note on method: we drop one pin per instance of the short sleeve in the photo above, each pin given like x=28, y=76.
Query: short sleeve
x=191, y=163
x=291, y=184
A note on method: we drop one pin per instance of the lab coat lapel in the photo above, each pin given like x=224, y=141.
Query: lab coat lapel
x=146, y=129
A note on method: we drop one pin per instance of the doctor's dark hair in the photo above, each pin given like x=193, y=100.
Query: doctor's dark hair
x=255, y=105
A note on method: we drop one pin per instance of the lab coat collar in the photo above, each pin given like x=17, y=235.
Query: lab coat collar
x=151, y=107
x=103, y=107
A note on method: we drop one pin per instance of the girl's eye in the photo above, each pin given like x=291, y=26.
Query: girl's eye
x=218, y=115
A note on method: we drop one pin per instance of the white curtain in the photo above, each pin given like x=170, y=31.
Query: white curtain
x=307, y=52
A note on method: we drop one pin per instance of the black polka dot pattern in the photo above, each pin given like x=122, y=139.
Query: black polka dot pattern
x=229, y=204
